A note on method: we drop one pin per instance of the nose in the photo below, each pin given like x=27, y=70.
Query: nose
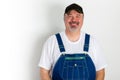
x=73, y=19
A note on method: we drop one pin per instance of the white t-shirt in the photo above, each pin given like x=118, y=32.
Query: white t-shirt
x=51, y=52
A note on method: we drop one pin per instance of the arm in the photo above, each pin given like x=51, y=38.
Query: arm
x=100, y=74
x=44, y=74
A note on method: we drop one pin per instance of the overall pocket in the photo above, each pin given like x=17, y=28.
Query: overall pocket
x=74, y=70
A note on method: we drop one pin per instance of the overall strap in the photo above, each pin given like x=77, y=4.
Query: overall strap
x=60, y=43
x=86, y=43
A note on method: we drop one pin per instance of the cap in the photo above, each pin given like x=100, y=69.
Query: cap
x=75, y=7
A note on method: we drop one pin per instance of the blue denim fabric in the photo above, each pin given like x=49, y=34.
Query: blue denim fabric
x=74, y=67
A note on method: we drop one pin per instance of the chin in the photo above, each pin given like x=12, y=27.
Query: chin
x=74, y=30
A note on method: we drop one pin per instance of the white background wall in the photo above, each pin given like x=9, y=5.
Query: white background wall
x=26, y=24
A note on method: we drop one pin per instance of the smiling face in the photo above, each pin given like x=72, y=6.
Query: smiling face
x=73, y=21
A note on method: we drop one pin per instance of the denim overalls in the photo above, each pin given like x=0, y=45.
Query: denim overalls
x=74, y=66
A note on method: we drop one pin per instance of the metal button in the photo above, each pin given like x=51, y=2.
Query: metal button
x=75, y=64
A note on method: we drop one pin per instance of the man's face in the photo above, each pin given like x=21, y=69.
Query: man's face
x=73, y=21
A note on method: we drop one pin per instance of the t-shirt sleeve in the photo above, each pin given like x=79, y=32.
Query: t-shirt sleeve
x=46, y=55
x=99, y=57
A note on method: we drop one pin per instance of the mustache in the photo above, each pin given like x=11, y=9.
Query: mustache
x=74, y=22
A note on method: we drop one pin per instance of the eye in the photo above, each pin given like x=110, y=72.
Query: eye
x=78, y=16
x=69, y=16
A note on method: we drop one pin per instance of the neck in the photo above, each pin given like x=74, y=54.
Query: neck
x=73, y=36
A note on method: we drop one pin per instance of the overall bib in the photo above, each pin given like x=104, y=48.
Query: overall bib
x=74, y=66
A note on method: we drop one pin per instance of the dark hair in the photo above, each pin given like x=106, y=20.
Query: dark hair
x=75, y=7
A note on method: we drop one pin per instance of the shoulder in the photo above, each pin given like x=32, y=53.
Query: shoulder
x=91, y=35
x=94, y=46
x=51, y=40
x=94, y=42
x=52, y=37
x=93, y=38
x=85, y=34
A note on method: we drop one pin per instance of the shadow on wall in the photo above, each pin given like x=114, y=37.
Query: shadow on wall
x=55, y=18
x=34, y=69
x=55, y=21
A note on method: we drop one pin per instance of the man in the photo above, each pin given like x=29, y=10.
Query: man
x=72, y=54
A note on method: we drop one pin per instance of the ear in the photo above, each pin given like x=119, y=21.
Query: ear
x=65, y=15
